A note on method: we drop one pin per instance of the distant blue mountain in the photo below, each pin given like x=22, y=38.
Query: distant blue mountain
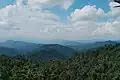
x=45, y=55
x=64, y=48
x=50, y=51
x=20, y=45
x=60, y=42
x=8, y=51
x=67, y=51
x=86, y=46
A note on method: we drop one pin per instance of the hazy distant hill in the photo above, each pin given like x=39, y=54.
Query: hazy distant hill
x=50, y=51
x=8, y=51
x=45, y=55
x=67, y=51
x=106, y=42
x=66, y=48
x=86, y=46
x=67, y=42
x=60, y=42
x=20, y=45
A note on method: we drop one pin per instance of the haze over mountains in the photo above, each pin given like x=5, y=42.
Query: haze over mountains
x=20, y=45
x=8, y=51
x=60, y=49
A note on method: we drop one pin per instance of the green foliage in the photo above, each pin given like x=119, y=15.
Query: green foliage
x=96, y=64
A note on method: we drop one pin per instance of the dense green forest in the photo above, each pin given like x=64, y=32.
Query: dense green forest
x=101, y=63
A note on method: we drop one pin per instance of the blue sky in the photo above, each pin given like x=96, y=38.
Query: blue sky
x=104, y=4
x=3, y=3
x=76, y=5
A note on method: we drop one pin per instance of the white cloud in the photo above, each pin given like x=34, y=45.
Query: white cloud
x=111, y=27
x=36, y=4
x=114, y=12
x=85, y=20
x=87, y=13
x=108, y=28
x=67, y=3
x=22, y=20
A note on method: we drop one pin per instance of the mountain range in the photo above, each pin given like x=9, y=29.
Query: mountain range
x=21, y=46
x=64, y=49
x=8, y=51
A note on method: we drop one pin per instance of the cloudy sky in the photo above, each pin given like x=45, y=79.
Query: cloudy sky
x=59, y=19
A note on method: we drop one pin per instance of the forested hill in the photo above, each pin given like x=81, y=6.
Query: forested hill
x=8, y=51
x=21, y=46
x=97, y=64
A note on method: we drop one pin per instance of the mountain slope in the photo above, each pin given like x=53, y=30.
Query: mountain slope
x=101, y=63
x=45, y=55
x=8, y=51
x=50, y=51
x=61, y=49
x=86, y=46
x=20, y=45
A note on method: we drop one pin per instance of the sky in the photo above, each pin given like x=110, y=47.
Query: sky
x=59, y=19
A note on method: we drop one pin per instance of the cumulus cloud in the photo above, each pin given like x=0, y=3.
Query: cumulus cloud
x=85, y=20
x=108, y=28
x=36, y=4
x=114, y=12
x=20, y=20
x=111, y=26
x=87, y=24
x=87, y=13
x=26, y=19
